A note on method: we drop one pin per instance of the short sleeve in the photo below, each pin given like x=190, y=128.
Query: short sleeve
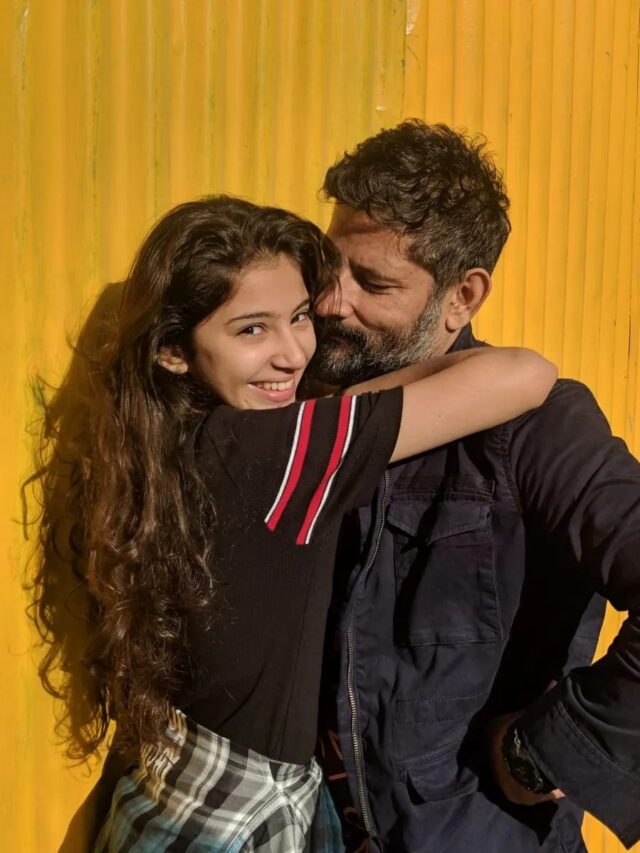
x=304, y=466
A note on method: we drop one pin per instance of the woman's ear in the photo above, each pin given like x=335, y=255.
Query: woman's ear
x=172, y=359
x=463, y=299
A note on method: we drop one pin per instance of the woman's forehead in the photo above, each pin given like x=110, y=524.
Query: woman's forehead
x=272, y=284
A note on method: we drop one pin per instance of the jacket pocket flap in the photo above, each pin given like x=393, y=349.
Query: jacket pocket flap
x=431, y=521
x=439, y=709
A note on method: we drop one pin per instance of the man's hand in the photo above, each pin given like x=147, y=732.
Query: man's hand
x=512, y=789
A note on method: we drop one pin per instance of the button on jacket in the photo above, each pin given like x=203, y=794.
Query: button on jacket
x=481, y=578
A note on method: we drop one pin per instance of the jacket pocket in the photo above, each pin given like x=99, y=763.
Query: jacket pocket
x=426, y=727
x=438, y=777
x=444, y=570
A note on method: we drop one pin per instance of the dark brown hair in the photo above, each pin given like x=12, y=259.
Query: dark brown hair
x=436, y=186
x=125, y=521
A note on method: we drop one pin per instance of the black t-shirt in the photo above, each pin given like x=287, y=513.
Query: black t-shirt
x=281, y=481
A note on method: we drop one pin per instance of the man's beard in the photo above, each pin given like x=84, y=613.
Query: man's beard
x=346, y=356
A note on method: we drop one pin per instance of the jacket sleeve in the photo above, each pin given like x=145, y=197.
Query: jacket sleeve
x=579, y=487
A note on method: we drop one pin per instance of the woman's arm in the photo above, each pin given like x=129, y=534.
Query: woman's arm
x=472, y=390
x=407, y=375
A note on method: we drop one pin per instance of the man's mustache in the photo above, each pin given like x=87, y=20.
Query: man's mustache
x=334, y=331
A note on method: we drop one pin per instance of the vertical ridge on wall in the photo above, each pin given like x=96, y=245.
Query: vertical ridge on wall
x=497, y=57
x=596, y=288
x=619, y=222
x=632, y=418
x=517, y=153
x=578, y=106
x=557, y=215
x=538, y=196
x=553, y=85
x=12, y=193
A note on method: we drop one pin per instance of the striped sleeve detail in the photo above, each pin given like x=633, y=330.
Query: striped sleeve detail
x=295, y=464
x=340, y=448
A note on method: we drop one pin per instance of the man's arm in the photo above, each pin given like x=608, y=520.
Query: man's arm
x=580, y=488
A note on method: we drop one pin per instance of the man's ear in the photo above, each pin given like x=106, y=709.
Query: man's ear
x=463, y=299
x=172, y=359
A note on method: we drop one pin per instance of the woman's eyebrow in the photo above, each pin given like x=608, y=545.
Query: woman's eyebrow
x=262, y=315
x=253, y=315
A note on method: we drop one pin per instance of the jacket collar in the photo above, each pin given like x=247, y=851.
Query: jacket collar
x=465, y=340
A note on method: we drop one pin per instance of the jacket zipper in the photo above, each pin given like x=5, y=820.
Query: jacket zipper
x=351, y=690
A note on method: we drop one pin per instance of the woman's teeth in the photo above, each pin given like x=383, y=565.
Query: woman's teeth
x=275, y=386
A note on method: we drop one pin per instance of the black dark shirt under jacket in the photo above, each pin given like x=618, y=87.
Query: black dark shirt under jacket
x=281, y=481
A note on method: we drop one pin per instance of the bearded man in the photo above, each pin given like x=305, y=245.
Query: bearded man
x=470, y=596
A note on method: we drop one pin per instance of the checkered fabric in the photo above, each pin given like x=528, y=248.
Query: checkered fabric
x=201, y=794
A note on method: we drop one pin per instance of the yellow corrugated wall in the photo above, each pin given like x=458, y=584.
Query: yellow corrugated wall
x=113, y=110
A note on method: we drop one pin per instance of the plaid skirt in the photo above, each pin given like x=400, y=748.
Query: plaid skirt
x=200, y=793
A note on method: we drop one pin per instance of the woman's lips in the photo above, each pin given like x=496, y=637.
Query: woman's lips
x=268, y=391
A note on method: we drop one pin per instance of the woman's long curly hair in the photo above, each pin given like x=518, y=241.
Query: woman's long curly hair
x=125, y=529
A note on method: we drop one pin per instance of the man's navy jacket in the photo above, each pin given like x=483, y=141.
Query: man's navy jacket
x=477, y=580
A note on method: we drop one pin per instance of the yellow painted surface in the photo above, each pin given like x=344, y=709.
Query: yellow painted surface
x=111, y=111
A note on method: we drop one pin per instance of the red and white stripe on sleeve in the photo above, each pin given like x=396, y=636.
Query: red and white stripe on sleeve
x=294, y=470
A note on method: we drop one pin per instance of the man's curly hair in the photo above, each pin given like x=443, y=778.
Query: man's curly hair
x=434, y=185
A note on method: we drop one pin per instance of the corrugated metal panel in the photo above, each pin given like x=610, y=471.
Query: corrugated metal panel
x=111, y=111
x=553, y=84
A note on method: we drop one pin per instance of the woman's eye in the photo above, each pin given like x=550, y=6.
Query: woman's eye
x=301, y=316
x=251, y=330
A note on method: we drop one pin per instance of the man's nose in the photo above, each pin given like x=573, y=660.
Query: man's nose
x=337, y=301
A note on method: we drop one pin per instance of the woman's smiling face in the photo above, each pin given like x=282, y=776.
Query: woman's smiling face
x=253, y=350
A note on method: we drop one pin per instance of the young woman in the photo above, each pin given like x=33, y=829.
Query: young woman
x=211, y=502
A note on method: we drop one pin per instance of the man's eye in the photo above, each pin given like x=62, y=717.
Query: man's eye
x=251, y=330
x=373, y=287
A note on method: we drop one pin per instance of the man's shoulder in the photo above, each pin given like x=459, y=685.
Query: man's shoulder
x=566, y=389
x=566, y=392
x=569, y=401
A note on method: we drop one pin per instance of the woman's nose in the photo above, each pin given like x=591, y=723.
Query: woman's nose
x=290, y=353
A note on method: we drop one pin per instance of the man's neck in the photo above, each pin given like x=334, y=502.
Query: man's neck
x=463, y=340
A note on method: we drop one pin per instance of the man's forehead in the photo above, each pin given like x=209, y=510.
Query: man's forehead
x=372, y=248
x=363, y=238
x=347, y=220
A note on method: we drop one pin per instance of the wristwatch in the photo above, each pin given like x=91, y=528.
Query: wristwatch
x=520, y=763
